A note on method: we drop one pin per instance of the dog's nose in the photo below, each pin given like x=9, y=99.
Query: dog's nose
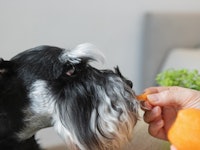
x=129, y=83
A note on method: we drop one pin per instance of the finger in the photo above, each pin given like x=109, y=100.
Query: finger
x=156, y=129
x=169, y=96
x=156, y=89
x=145, y=105
x=169, y=114
x=152, y=115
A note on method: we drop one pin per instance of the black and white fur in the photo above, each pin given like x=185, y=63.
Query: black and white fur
x=46, y=86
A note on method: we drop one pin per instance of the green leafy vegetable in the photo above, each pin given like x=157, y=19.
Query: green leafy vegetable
x=181, y=77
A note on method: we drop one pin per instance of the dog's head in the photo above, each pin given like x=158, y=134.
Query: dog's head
x=90, y=108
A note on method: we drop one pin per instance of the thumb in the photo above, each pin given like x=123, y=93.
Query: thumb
x=165, y=98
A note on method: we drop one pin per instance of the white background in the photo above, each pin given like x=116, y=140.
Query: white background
x=114, y=26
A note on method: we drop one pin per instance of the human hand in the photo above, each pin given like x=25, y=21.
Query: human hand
x=164, y=103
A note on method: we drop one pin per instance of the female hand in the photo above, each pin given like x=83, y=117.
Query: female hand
x=163, y=104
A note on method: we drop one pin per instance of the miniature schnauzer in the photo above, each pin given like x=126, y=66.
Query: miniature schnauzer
x=47, y=86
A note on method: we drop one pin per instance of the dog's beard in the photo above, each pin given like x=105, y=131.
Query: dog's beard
x=97, y=117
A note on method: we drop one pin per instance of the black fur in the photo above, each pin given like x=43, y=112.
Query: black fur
x=15, y=76
x=13, y=99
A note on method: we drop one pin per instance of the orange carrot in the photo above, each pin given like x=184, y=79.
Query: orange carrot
x=142, y=97
x=184, y=134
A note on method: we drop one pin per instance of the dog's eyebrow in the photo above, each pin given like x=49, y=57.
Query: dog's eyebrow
x=83, y=51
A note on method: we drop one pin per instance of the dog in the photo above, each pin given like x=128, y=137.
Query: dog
x=46, y=86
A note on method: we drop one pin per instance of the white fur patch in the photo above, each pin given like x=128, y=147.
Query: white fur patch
x=42, y=112
x=85, y=50
x=39, y=112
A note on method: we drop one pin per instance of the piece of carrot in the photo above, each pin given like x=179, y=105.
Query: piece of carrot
x=142, y=97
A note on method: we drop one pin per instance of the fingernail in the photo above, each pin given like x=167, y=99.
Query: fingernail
x=146, y=105
x=152, y=97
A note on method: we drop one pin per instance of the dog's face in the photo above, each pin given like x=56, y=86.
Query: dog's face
x=90, y=108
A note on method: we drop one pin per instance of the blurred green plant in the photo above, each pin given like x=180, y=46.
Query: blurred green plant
x=182, y=77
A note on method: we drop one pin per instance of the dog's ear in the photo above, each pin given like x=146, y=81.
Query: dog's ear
x=6, y=67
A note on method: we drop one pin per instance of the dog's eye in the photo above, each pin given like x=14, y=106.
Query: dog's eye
x=71, y=71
